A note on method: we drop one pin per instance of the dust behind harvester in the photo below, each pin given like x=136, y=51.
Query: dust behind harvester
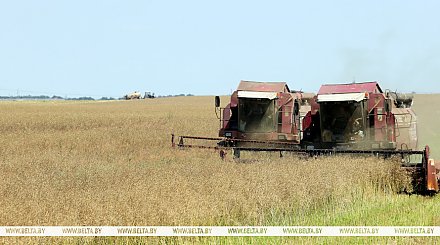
x=356, y=118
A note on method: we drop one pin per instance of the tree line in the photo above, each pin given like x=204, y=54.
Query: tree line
x=56, y=97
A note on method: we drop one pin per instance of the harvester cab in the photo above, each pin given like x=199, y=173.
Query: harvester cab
x=353, y=116
x=262, y=111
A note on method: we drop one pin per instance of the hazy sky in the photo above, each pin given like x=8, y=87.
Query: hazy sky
x=109, y=48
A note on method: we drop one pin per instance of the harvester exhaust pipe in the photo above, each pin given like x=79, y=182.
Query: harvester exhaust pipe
x=217, y=107
x=217, y=101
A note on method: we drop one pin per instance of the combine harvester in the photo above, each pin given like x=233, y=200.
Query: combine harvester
x=356, y=119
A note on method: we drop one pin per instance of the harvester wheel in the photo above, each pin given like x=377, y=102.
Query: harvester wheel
x=236, y=154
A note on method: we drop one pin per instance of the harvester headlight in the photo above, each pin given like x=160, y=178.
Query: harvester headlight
x=228, y=134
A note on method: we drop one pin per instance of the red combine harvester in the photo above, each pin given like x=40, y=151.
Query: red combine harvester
x=356, y=118
x=262, y=111
x=360, y=116
x=260, y=115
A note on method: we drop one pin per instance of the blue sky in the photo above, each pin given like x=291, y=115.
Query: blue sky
x=109, y=48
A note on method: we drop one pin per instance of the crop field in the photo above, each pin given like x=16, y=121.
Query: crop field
x=111, y=164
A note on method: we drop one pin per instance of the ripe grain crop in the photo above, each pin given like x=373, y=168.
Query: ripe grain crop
x=111, y=163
